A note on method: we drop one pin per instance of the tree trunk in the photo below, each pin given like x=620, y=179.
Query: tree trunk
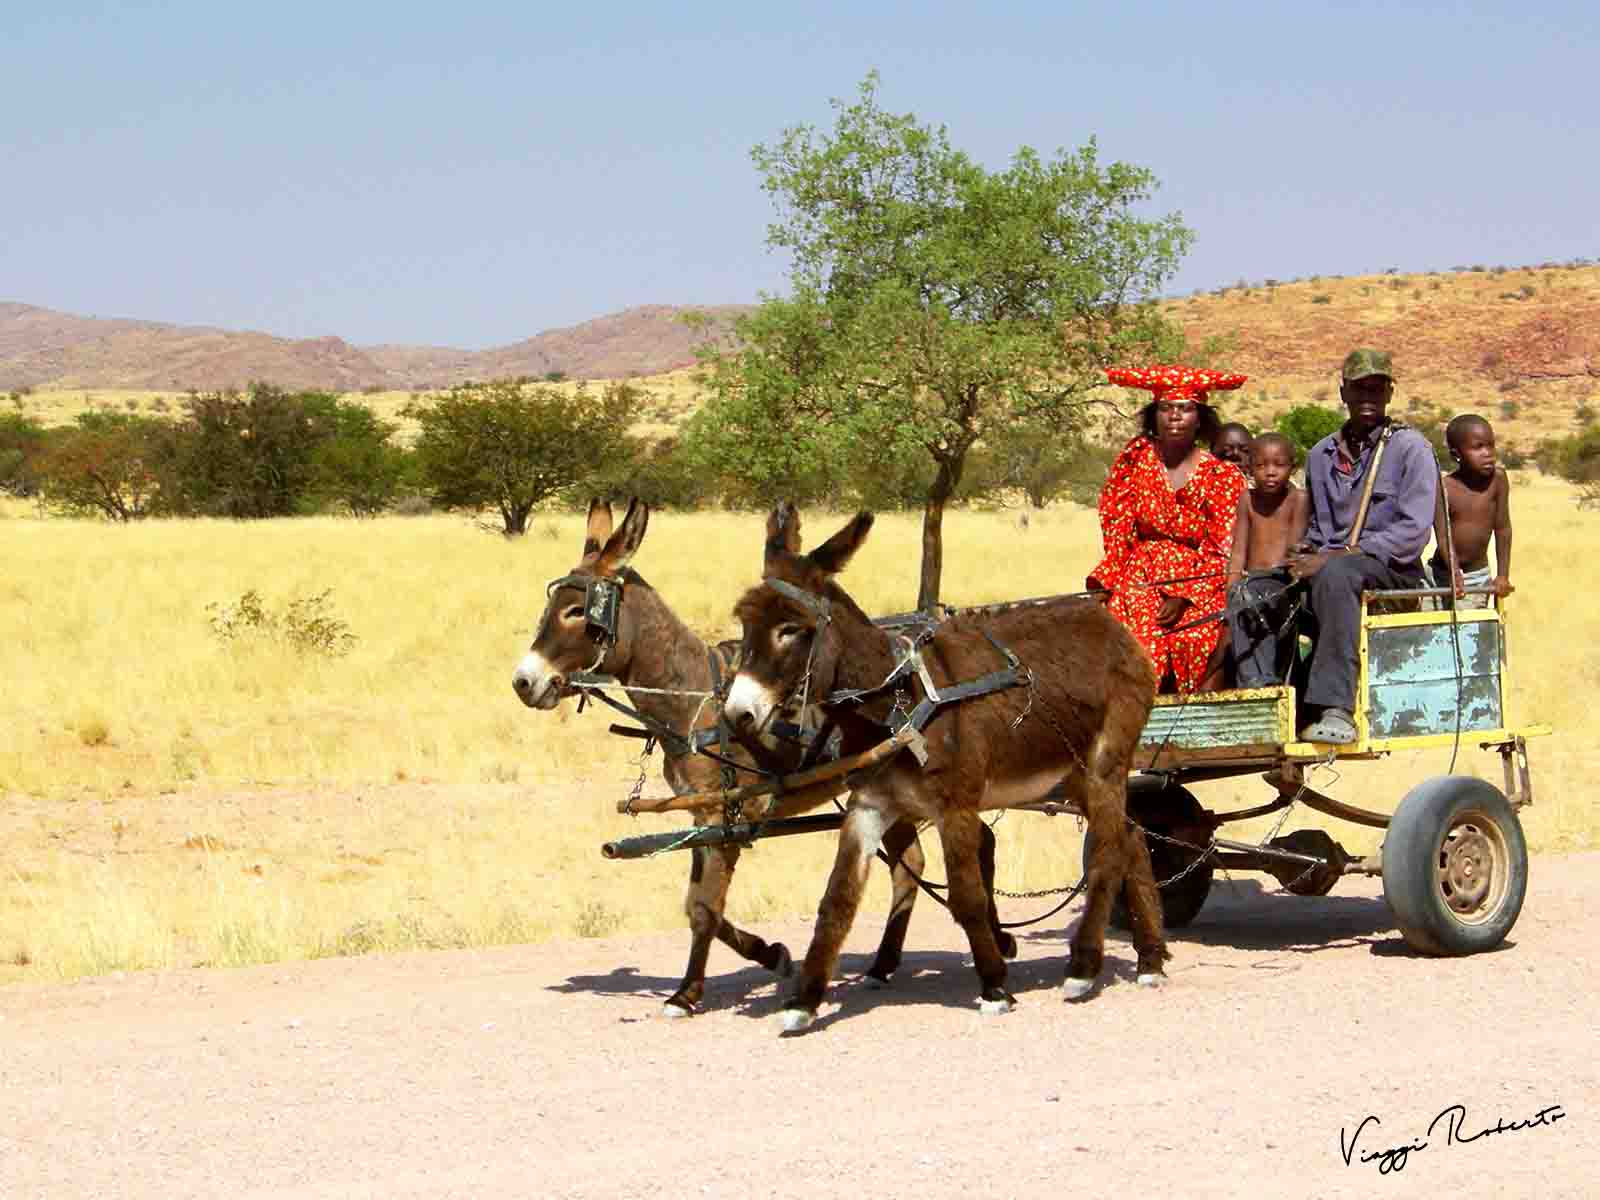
x=944, y=484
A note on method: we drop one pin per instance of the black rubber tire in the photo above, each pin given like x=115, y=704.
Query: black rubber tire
x=1446, y=836
x=1182, y=900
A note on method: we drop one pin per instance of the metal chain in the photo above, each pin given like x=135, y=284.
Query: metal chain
x=638, y=784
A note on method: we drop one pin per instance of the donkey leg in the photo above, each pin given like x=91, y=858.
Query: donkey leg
x=971, y=904
x=906, y=864
x=859, y=838
x=710, y=872
x=1143, y=900
x=1105, y=799
x=774, y=956
x=1003, y=939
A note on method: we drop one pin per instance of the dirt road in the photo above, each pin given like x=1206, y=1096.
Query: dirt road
x=544, y=1070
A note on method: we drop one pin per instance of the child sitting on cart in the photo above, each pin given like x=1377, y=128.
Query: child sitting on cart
x=1272, y=517
x=1478, y=494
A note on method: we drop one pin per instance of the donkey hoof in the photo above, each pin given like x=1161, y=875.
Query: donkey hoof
x=783, y=964
x=1150, y=979
x=873, y=982
x=996, y=1003
x=796, y=1020
x=1008, y=945
x=1076, y=989
x=673, y=1010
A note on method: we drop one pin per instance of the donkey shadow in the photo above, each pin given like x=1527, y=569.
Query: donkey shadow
x=1244, y=914
x=942, y=978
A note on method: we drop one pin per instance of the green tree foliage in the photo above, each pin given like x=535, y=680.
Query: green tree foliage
x=1307, y=424
x=22, y=441
x=354, y=465
x=933, y=303
x=1041, y=465
x=1576, y=458
x=251, y=454
x=116, y=464
x=659, y=473
x=511, y=444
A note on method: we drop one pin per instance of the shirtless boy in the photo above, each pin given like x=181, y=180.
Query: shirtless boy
x=1272, y=517
x=1479, y=496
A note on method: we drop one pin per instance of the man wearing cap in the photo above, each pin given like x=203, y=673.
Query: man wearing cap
x=1386, y=551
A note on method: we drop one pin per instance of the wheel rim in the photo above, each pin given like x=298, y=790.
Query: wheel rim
x=1473, y=867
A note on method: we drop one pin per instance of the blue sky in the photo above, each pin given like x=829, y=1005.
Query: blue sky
x=470, y=174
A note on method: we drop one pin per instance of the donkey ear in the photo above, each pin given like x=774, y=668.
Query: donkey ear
x=622, y=544
x=835, y=553
x=599, y=529
x=783, y=530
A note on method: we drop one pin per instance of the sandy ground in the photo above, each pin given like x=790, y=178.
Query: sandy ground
x=544, y=1070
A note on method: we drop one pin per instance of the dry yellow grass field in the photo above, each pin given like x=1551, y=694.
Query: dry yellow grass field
x=169, y=798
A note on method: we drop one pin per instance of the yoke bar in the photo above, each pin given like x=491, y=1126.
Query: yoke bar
x=718, y=835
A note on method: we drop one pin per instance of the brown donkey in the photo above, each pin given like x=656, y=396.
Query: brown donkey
x=647, y=646
x=1076, y=719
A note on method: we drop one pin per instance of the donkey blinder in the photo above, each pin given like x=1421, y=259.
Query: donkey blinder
x=602, y=600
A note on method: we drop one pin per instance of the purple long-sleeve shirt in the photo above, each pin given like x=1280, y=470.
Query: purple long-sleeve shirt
x=1400, y=519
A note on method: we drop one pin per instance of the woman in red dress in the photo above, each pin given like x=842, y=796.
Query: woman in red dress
x=1166, y=515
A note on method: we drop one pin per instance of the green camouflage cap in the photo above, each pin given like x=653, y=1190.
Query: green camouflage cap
x=1358, y=364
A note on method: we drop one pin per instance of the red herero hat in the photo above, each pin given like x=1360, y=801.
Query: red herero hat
x=1176, y=384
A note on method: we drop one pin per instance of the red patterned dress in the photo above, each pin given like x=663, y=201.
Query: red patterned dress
x=1152, y=532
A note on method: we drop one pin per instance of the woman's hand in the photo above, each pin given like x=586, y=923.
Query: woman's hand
x=1172, y=609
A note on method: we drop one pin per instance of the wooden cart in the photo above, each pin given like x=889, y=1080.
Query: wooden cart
x=1454, y=861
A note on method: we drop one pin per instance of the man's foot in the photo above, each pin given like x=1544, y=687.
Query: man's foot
x=1334, y=726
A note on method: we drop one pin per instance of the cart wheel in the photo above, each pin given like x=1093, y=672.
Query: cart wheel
x=1455, y=866
x=1183, y=898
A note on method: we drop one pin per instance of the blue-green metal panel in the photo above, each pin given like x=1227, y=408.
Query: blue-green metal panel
x=1201, y=725
x=1414, y=686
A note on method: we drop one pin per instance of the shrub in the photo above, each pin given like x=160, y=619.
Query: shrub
x=114, y=464
x=511, y=445
x=22, y=442
x=1307, y=424
x=250, y=455
x=1508, y=409
x=304, y=624
x=1322, y=298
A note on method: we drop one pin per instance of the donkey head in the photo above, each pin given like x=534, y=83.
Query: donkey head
x=788, y=619
x=585, y=622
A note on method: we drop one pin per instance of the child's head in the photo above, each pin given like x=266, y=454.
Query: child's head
x=1232, y=444
x=1272, y=461
x=1471, y=442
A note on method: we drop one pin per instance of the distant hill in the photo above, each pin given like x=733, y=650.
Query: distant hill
x=1520, y=345
x=41, y=348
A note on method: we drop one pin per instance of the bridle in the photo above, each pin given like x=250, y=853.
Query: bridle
x=602, y=602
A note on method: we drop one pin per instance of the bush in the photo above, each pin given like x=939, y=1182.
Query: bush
x=1307, y=424
x=22, y=441
x=1322, y=298
x=354, y=466
x=510, y=445
x=118, y=465
x=252, y=454
x=303, y=624
x=661, y=474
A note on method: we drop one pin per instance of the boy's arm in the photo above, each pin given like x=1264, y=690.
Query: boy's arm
x=1241, y=539
x=1300, y=517
x=1502, y=534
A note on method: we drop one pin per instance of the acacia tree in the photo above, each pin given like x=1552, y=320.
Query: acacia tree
x=932, y=303
x=510, y=444
x=115, y=464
